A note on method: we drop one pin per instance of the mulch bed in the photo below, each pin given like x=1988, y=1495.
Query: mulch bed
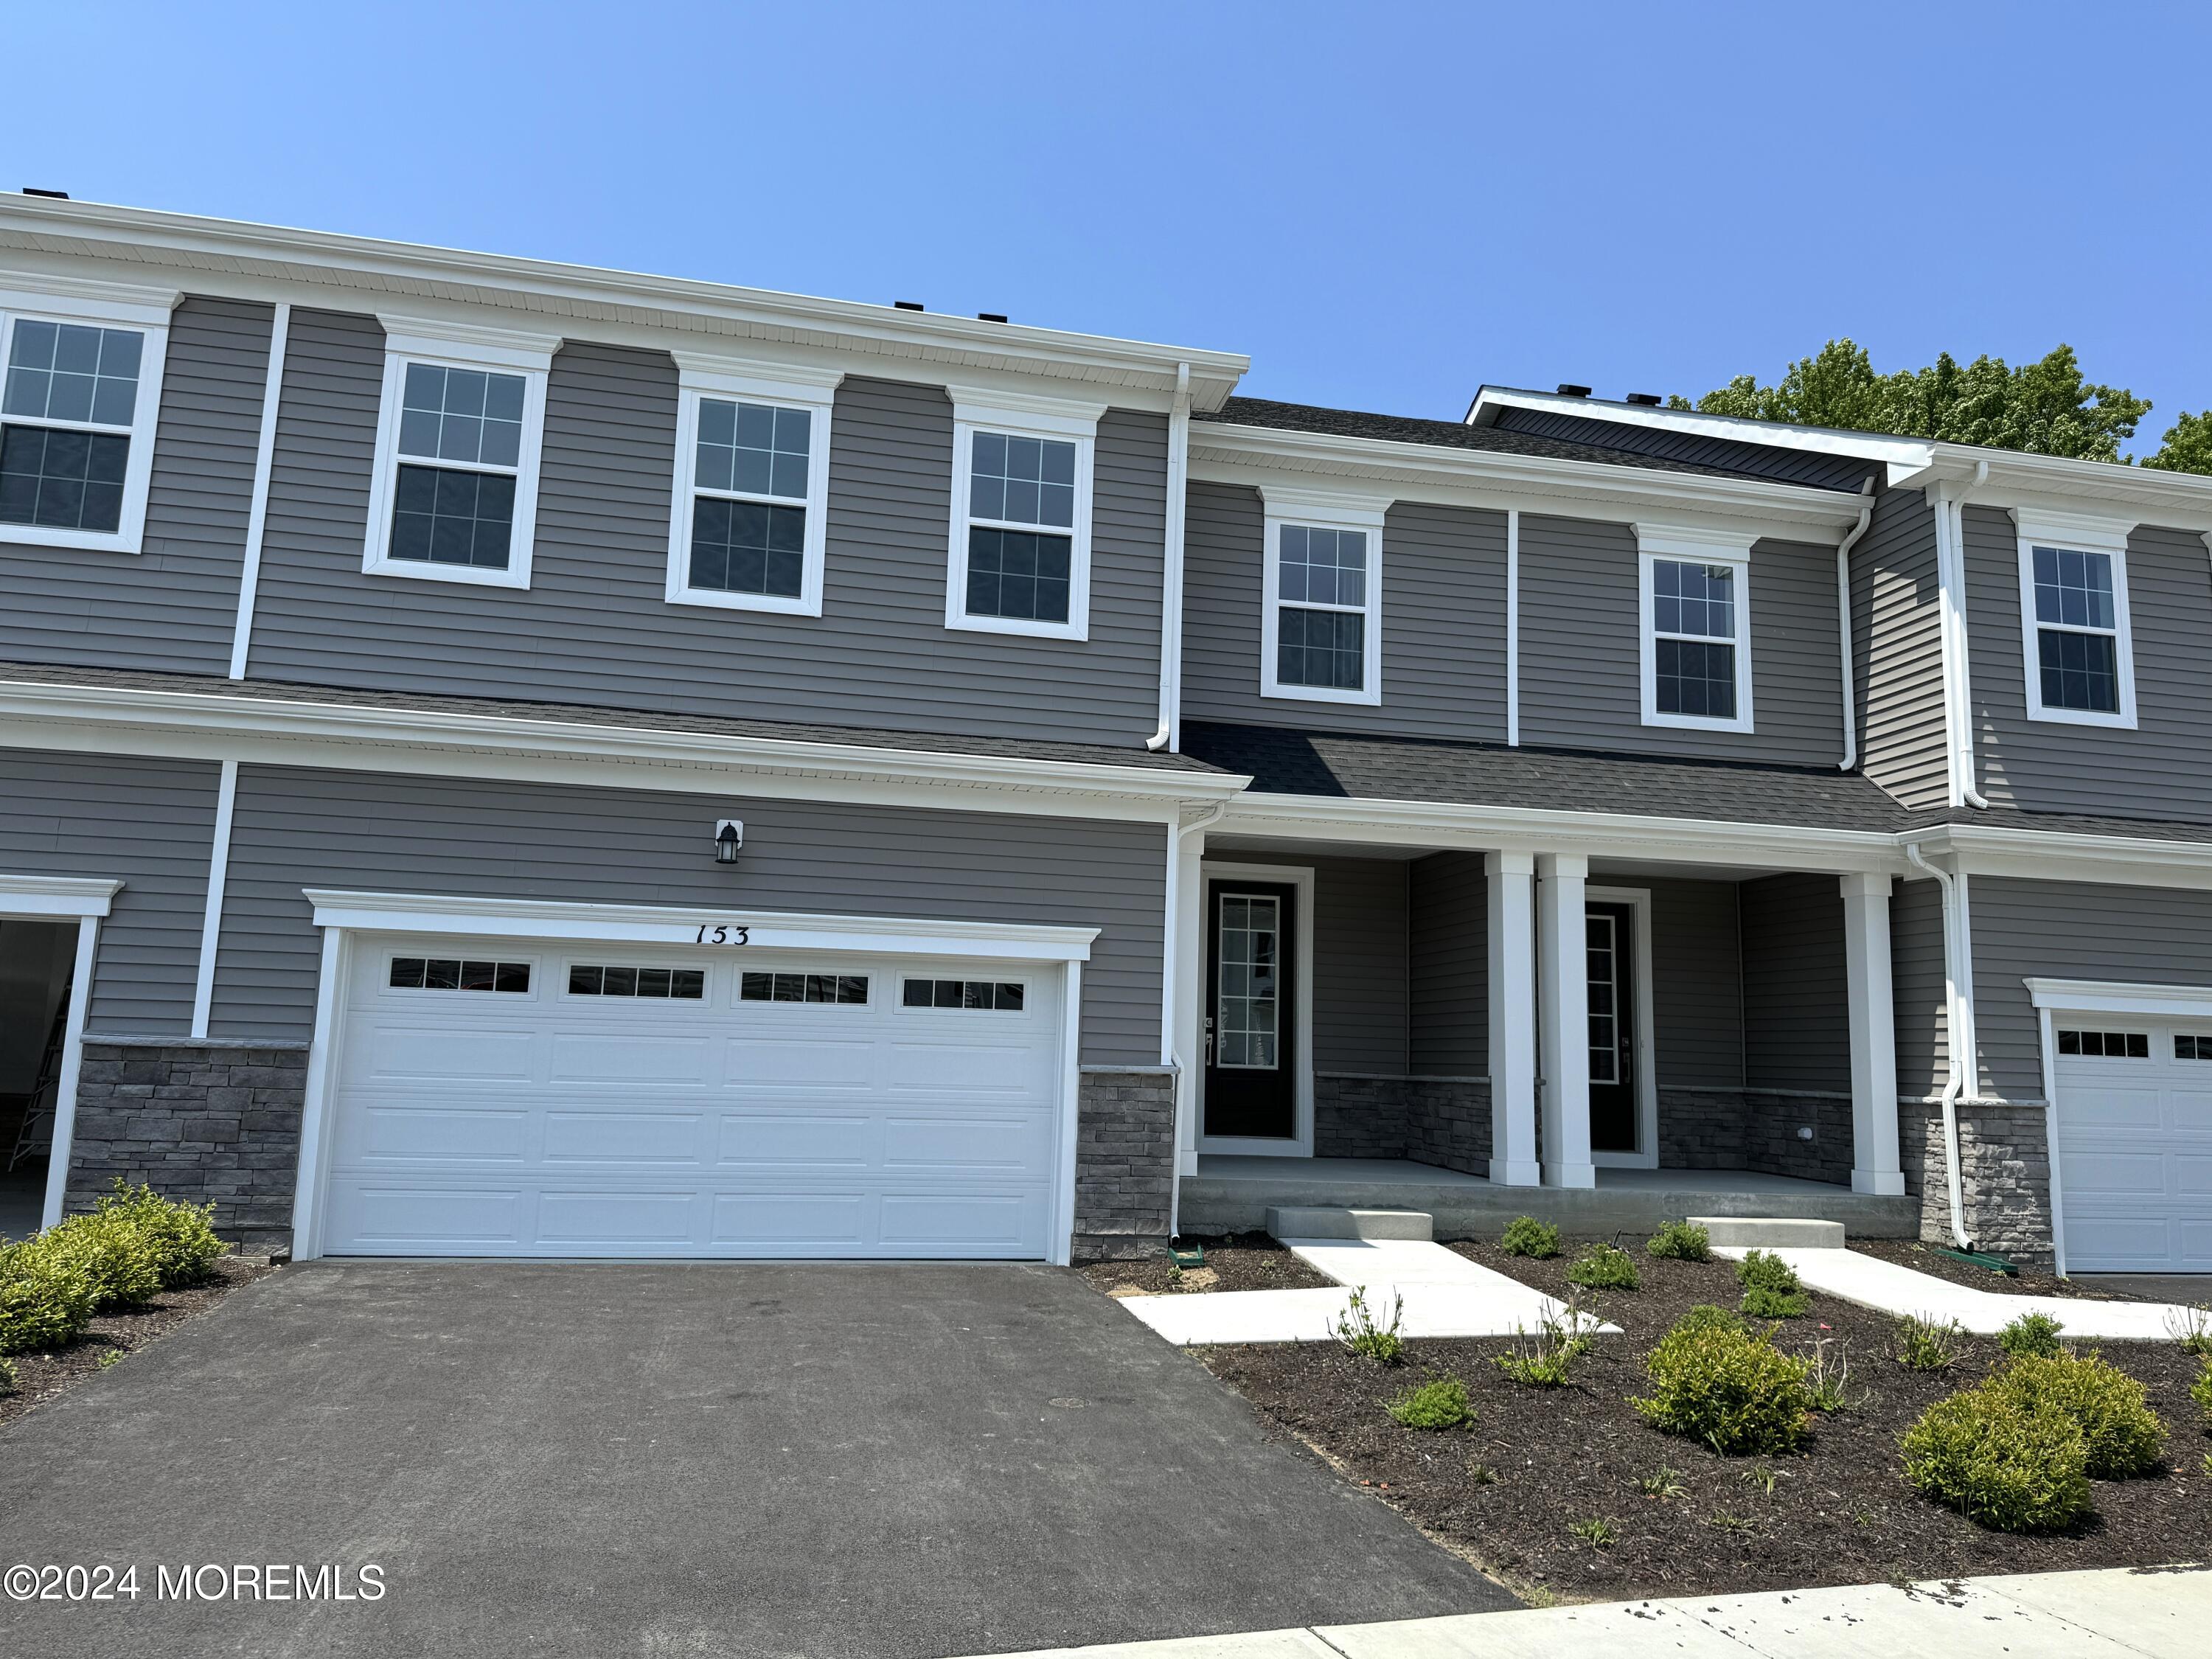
x=41, y=1377
x=1240, y=1261
x=1927, y=1259
x=1507, y=1492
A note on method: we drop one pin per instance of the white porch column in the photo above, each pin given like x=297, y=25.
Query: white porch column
x=1875, y=1165
x=1563, y=998
x=1189, y=993
x=1512, y=1019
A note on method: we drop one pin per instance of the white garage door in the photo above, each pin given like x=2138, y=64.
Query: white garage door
x=2135, y=1144
x=496, y=1099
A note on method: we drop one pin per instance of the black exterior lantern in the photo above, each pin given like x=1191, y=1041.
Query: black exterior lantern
x=729, y=840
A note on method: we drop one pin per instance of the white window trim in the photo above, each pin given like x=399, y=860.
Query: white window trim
x=2075, y=535
x=779, y=386
x=102, y=304
x=1321, y=510
x=1682, y=546
x=1062, y=420
x=459, y=345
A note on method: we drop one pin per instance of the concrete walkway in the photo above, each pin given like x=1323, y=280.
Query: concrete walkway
x=1886, y=1287
x=1439, y=1292
x=2149, y=1613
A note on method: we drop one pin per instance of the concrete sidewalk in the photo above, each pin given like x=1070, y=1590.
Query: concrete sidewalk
x=2156, y=1613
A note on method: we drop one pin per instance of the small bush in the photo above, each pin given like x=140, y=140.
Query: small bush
x=1828, y=1374
x=1771, y=1288
x=1681, y=1241
x=1662, y=1482
x=1530, y=1237
x=181, y=1236
x=1597, y=1532
x=2121, y=1436
x=1546, y=1360
x=1760, y=1303
x=1716, y=1381
x=1924, y=1345
x=111, y=1252
x=2191, y=1327
x=1439, y=1405
x=2006, y=1464
x=7, y=1376
x=1362, y=1334
x=45, y=1299
x=2201, y=1392
x=1604, y=1267
x=2031, y=1336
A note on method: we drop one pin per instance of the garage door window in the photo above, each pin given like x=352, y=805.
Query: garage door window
x=453, y=974
x=848, y=988
x=676, y=984
x=2186, y=1047
x=2110, y=1045
x=997, y=995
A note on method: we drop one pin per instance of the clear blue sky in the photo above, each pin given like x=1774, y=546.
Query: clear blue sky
x=1386, y=205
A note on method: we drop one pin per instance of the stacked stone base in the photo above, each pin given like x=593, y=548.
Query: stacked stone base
x=2005, y=1169
x=1124, y=1162
x=207, y=1121
x=1756, y=1130
x=1442, y=1120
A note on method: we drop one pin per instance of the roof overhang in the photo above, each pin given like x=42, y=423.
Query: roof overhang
x=1984, y=849
x=318, y=268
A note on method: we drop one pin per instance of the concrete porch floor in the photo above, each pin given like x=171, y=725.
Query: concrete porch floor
x=1231, y=1194
x=22, y=1199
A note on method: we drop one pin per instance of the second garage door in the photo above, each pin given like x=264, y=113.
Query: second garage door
x=2135, y=1144
x=495, y=1099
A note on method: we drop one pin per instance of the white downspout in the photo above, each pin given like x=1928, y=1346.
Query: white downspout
x=1844, y=625
x=1171, y=917
x=1958, y=660
x=1959, y=1023
x=1170, y=736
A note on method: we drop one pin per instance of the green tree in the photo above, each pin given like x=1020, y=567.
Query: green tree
x=2187, y=446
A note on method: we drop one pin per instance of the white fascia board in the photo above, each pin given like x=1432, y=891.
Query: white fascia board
x=56, y=896
x=2058, y=485
x=1907, y=454
x=275, y=262
x=1616, y=835
x=2112, y=996
x=2063, y=856
x=652, y=924
x=1258, y=456
x=206, y=726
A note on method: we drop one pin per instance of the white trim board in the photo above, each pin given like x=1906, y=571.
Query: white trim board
x=1299, y=877
x=34, y=898
x=63, y=1139
x=2102, y=996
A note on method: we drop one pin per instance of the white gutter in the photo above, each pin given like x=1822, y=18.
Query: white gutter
x=1843, y=626
x=1170, y=736
x=1959, y=1029
x=1958, y=657
x=1172, y=918
x=1513, y=628
x=256, y=517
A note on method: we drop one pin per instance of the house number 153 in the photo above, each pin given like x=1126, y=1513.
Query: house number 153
x=722, y=933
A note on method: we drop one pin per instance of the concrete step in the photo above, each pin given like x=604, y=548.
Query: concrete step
x=1770, y=1232
x=1317, y=1221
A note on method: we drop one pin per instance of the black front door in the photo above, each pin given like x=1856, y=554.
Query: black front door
x=1613, y=1084
x=1251, y=1043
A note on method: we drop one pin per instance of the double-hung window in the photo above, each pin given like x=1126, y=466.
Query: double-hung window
x=454, y=496
x=1020, y=556
x=749, y=524
x=1321, y=638
x=81, y=393
x=2080, y=664
x=1695, y=648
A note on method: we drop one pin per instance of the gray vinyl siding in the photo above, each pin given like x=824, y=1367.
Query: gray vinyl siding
x=147, y=824
x=1359, y=959
x=1696, y=981
x=295, y=828
x=2155, y=770
x=172, y=606
x=1580, y=684
x=1917, y=989
x=1444, y=621
x=1447, y=911
x=1897, y=651
x=2071, y=930
x=594, y=626
x=1796, y=1010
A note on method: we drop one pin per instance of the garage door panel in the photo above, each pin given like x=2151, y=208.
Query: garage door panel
x=763, y=1064
x=388, y=1133
x=623, y=1137
x=426, y=1220
x=809, y=1220
x=2091, y=1173
x=2192, y=1177
x=627, y=1059
x=969, y=1068
x=421, y=1052
x=851, y=1141
x=2135, y=1153
x=976, y=1222
x=2193, y=1244
x=996, y=1145
x=618, y=1218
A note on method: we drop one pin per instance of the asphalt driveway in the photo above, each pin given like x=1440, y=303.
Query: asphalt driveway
x=842, y=1461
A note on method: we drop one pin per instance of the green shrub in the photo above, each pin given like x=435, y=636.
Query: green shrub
x=45, y=1299
x=1362, y=1334
x=112, y=1253
x=1771, y=1288
x=1529, y=1237
x=2121, y=1436
x=1546, y=1360
x=1439, y=1405
x=7, y=1376
x=2032, y=1335
x=1681, y=1241
x=2201, y=1392
x=1924, y=1345
x=2009, y=1464
x=1760, y=1303
x=1714, y=1380
x=1604, y=1267
x=181, y=1236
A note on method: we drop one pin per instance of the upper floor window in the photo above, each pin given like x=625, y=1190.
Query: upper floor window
x=2073, y=612
x=1021, y=518
x=1321, y=634
x=81, y=392
x=454, y=496
x=749, y=526
x=1695, y=649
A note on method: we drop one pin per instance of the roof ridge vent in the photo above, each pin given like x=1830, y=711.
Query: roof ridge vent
x=1574, y=392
